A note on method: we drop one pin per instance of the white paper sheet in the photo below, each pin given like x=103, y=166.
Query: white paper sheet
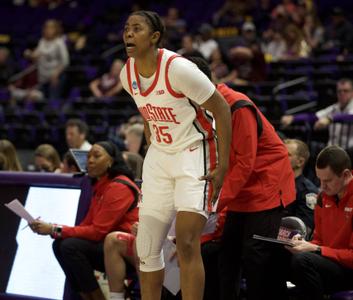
x=171, y=271
x=211, y=224
x=17, y=207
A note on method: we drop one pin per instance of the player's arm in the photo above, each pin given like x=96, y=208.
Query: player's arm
x=221, y=113
x=186, y=78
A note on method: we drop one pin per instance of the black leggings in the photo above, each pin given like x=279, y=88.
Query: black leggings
x=239, y=251
x=79, y=258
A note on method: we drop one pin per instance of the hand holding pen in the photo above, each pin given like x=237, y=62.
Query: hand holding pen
x=41, y=227
x=29, y=224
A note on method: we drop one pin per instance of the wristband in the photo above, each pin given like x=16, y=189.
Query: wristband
x=318, y=250
x=56, y=231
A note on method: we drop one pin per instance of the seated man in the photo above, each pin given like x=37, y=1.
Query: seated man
x=306, y=191
x=76, y=133
x=325, y=264
x=338, y=134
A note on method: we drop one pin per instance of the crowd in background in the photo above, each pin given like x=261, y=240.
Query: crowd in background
x=239, y=40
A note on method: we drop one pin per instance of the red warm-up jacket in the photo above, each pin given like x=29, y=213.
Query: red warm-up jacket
x=334, y=227
x=260, y=176
x=110, y=210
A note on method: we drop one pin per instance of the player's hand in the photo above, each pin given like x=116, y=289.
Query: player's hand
x=216, y=177
x=41, y=227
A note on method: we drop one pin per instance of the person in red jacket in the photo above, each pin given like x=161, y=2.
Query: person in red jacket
x=325, y=264
x=79, y=249
x=259, y=184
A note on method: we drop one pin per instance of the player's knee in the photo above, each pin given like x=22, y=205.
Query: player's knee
x=148, y=251
x=151, y=263
x=110, y=242
x=187, y=248
x=116, y=242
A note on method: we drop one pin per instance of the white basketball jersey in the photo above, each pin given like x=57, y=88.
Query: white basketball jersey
x=175, y=121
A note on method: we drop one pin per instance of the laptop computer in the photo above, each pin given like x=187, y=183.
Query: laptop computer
x=80, y=157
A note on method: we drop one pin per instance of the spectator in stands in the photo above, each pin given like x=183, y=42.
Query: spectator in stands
x=188, y=47
x=7, y=68
x=205, y=43
x=135, y=162
x=24, y=90
x=325, y=265
x=306, y=196
x=296, y=45
x=79, y=249
x=339, y=33
x=175, y=26
x=76, y=132
x=313, y=31
x=69, y=164
x=258, y=184
x=338, y=134
x=287, y=9
x=9, y=151
x=47, y=159
x=220, y=70
x=108, y=85
x=247, y=57
x=134, y=138
x=273, y=45
x=52, y=58
x=24, y=86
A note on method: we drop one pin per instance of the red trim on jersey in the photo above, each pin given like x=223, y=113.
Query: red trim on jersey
x=154, y=83
x=129, y=75
x=169, y=87
x=207, y=126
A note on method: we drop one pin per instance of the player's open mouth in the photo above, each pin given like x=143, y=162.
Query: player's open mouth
x=129, y=46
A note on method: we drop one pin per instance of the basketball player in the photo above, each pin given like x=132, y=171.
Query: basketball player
x=184, y=167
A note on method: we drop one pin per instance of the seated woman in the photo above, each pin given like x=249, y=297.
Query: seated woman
x=79, y=249
x=47, y=159
x=109, y=84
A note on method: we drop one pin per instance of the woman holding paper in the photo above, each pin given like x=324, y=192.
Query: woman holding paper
x=79, y=249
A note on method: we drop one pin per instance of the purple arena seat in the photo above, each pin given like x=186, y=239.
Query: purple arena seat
x=343, y=118
x=305, y=117
x=345, y=295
